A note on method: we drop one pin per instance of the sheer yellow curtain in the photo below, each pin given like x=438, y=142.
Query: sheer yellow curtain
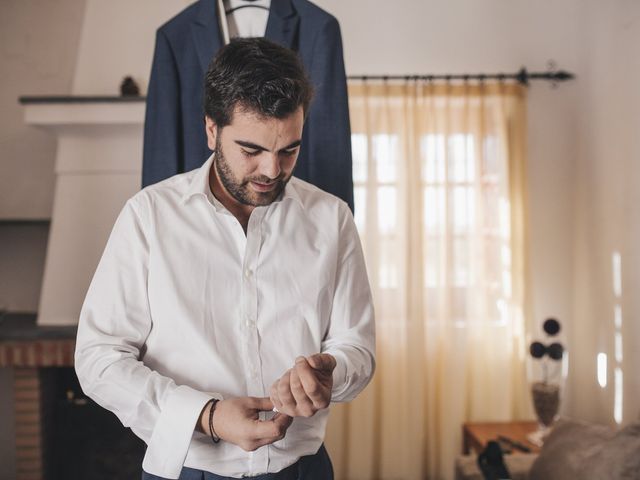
x=440, y=204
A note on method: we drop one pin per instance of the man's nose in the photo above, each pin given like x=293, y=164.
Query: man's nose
x=270, y=166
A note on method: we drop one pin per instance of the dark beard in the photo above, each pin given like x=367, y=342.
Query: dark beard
x=241, y=191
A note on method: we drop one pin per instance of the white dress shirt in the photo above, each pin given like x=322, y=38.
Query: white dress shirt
x=248, y=21
x=184, y=307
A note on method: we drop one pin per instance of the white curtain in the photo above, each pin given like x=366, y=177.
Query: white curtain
x=440, y=203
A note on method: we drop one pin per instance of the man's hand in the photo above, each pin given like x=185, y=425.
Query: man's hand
x=236, y=420
x=305, y=388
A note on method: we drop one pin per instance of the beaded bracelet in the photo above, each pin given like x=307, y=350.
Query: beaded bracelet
x=214, y=436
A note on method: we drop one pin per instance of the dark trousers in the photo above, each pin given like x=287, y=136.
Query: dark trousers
x=311, y=467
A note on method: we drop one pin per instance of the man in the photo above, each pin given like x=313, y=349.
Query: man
x=231, y=303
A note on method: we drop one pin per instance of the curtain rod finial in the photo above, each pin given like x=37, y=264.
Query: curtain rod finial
x=563, y=76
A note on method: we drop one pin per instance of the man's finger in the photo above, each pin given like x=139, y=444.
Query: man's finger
x=282, y=420
x=310, y=384
x=261, y=442
x=260, y=403
x=274, y=396
x=304, y=404
x=322, y=361
x=273, y=429
x=276, y=431
x=284, y=392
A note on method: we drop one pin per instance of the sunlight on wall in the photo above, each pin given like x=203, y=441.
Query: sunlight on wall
x=618, y=347
x=617, y=274
x=602, y=369
x=616, y=264
x=617, y=314
x=617, y=405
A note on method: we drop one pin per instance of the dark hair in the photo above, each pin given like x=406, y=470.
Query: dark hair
x=257, y=75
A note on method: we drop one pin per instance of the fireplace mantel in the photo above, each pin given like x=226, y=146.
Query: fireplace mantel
x=24, y=344
x=98, y=167
x=58, y=112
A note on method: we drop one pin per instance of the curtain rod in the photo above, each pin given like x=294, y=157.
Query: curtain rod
x=523, y=76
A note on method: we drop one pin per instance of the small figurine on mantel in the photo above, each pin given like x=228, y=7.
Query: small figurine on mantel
x=129, y=88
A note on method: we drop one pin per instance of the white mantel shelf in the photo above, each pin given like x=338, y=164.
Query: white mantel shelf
x=98, y=167
x=60, y=111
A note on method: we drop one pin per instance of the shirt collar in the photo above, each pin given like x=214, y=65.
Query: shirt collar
x=199, y=185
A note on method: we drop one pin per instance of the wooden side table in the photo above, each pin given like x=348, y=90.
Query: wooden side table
x=476, y=435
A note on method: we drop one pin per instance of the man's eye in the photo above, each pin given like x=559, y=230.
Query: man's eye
x=290, y=152
x=250, y=153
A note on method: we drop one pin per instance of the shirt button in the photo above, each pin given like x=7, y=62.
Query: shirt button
x=247, y=273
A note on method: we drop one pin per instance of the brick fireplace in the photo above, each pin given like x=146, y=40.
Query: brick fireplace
x=60, y=433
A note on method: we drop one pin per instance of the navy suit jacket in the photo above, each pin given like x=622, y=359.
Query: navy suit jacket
x=174, y=134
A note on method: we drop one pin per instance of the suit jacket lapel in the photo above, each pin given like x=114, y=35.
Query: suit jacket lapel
x=206, y=32
x=283, y=22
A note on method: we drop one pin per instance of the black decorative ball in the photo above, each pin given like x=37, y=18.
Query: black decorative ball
x=555, y=351
x=537, y=350
x=551, y=326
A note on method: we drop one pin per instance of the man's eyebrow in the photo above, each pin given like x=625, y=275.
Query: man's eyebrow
x=293, y=145
x=254, y=146
x=250, y=145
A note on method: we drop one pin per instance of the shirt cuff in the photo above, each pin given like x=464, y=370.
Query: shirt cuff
x=171, y=437
x=340, y=383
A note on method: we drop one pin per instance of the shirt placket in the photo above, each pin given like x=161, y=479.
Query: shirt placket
x=258, y=460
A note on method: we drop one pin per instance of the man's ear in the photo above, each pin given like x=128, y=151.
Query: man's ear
x=212, y=132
